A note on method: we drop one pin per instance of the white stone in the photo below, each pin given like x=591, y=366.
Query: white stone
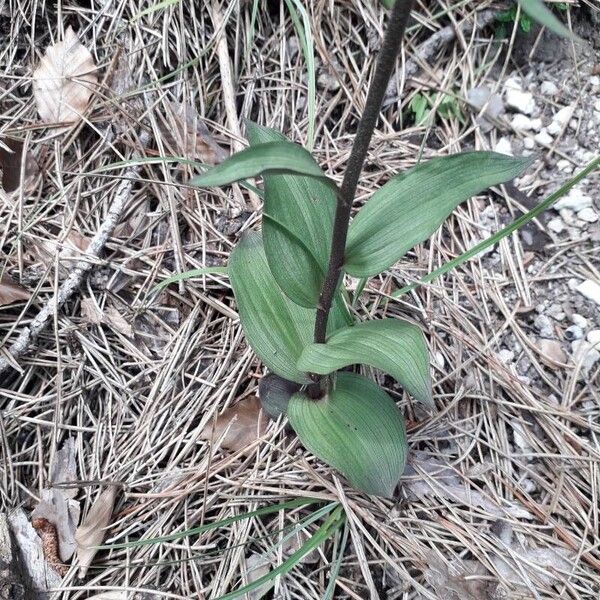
x=503, y=146
x=564, y=165
x=556, y=312
x=590, y=289
x=528, y=143
x=588, y=215
x=513, y=83
x=564, y=115
x=506, y=356
x=554, y=128
x=597, y=105
x=574, y=332
x=579, y=320
x=593, y=337
x=519, y=100
x=544, y=325
x=543, y=138
x=536, y=124
x=595, y=80
x=548, y=88
x=521, y=123
x=575, y=200
x=557, y=225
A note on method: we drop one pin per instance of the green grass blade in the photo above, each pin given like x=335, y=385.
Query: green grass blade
x=514, y=226
x=338, y=553
x=331, y=525
x=189, y=275
x=266, y=510
x=537, y=10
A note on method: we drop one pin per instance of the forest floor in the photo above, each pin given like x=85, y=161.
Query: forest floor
x=124, y=392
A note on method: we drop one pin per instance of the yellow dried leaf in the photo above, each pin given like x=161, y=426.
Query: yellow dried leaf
x=92, y=530
x=238, y=426
x=64, y=81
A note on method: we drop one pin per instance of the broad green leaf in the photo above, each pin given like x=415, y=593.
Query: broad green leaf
x=412, y=205
x=273, y=157
x=392, y=345
x=297, y=227
x=276, y=328
x=505, y=231
x=357, y=429
x=537, y=10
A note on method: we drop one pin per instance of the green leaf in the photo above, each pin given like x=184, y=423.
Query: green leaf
x=412, y=205
x=273, y=157
x=276, y=328
x=392, y=345
x=298, y=226
x=505, y=231
x=357, y=429
x=537, y=10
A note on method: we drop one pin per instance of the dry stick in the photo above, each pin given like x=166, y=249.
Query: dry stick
x=385, y=65
x=75, y=277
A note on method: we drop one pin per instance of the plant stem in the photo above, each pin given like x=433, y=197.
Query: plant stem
x=385, y=64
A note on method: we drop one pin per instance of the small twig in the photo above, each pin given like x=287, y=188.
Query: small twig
x=76, y=276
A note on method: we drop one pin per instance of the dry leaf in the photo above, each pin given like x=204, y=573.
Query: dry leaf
x=257, y=566
x=64, y=81
x=459, y=579
x=92, y=530
x=238, y=426
x=11, y=292
x=185, y=134
x=11, y=161
x=31, y=552
x=425, y=476
x=69, y=251
x=92, y=313
x=532, y=566
x=57, y=506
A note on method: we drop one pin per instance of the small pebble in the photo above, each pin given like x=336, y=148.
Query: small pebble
x=503, y=146
x=554, y=128
x=506, y=356
x=593, y=337
x=564, y=165
x=590, y=289
x=548, y=88
x=557, y=225
x=556, y=312
x=543, y=138
x=564, y=115
x=544, y=325
x=536, y=124
x=519, y=100
x=521, y=123
x=528, y=143
x=588, y=215
x=579, y=320
x=575, y=200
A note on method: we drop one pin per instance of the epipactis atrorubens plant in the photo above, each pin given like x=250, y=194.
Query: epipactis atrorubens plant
x=288, y=282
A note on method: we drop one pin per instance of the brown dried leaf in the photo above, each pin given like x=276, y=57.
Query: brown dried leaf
x=238, y=426
x=459, y=579
x=70, y=250
x=11, y=162
x=92, y=313
x=11, y=292
x=64, y=81
x=184, y=133
x=92, y=530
